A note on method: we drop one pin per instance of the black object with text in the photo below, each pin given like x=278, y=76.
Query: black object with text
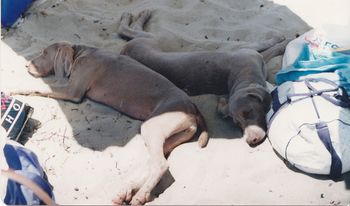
x=14, y=115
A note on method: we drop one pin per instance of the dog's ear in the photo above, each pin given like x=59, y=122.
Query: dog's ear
x=261, y=94
x=63, y=61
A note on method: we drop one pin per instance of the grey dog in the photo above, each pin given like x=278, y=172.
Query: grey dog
x=240, y=74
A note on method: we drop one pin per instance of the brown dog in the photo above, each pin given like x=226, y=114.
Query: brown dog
x=131, y=88
x=240, y=74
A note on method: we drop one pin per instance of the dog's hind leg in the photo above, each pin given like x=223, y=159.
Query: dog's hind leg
x=141, y=20
x=131, y=184
x=136, y=31
x=135, y=181
x=179, y=138
x=155, y=132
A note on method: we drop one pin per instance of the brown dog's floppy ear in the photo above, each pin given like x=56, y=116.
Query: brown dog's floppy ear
x=63, y=62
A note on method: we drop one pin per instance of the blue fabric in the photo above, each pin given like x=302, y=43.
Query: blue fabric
x=276, y=105
x=308, y=65
x=11, y=10
x=24, y=162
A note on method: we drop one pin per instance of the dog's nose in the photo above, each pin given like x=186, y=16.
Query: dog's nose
x=31, y=69
x=28, y=64
x=254, y=141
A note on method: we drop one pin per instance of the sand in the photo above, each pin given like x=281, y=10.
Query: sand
x=88, y=149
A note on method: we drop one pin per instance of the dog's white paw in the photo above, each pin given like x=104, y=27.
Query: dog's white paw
x=123, y=196
x=140, y=198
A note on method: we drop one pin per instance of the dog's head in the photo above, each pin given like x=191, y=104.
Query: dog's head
x=248, y=108
x=55, y=59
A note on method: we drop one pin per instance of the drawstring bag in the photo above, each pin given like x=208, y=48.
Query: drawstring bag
x=309, y=126
x=24, y=163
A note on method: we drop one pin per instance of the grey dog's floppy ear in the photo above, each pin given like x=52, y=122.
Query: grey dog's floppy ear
x=260, y=93
x=63, y=61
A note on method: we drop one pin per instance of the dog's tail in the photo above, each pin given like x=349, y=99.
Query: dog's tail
x=203, y=136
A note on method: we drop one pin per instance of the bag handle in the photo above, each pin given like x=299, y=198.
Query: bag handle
x=342, y=97
x=324, y=135
x=21, y=179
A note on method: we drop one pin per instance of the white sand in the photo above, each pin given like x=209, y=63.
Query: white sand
x=88, y=149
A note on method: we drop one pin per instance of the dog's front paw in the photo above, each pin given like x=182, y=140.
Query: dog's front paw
x=24, y=93
x=222, y=108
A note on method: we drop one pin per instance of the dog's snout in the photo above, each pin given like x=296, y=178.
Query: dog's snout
x=31, y=68
x=254, y=135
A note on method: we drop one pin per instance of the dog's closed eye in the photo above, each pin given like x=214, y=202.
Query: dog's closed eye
x=245, y=114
